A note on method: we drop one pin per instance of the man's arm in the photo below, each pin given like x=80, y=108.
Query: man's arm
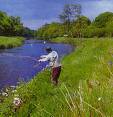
x=44, y=58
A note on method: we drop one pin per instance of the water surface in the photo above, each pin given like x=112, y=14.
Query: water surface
x=18, y=64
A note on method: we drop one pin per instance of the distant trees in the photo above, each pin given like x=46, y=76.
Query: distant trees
x=29, y=33
x=102, y=20
x=70, y=13
x=79, y=25
x=3, y=22
x=104, y=24
x=16, y=27
x=52, y=30
x=12, y=26
x=73, y=24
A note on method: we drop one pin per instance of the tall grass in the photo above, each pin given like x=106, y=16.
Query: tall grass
x=85, y=88
x=10, y=42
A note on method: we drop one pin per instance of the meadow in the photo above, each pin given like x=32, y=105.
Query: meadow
x=10, y=42
x=85, y=86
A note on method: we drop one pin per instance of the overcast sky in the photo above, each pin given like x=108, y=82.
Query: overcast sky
x=35, y=13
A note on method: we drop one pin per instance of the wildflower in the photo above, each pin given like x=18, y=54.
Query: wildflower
x=13, y=91
x=4, y=94
x=17, y=101
x=65, y=35
x=7, y=90
x=99, y=98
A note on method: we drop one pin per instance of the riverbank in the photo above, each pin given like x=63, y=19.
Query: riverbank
x=85, y=87
x=10, y=42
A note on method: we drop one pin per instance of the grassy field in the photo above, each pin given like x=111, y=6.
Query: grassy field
x=85, y=88
x=10, y=42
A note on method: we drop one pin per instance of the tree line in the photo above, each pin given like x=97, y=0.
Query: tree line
x=73, y=24
x=12, y=26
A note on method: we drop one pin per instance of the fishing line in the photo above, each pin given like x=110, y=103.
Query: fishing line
x=22, y=57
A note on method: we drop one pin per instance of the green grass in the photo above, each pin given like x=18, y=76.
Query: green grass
x=10, y=42
x=85, y=88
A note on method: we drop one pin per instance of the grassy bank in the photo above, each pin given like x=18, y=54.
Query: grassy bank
x=10, y=42
x=85, y=88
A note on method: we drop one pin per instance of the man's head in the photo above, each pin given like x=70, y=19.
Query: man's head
x=48, y=49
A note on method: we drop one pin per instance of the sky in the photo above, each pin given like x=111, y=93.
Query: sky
x=35, y=13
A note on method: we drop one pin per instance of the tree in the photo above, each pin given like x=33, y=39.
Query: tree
x=29, y=33
x=109, y=29
x=3, y=22
x=70, y=13
x=101, y=20
x=50, y=30
x=15, y=26
x=79, y=26
x=12, y=26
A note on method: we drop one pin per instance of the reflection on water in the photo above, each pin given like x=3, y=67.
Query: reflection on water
x=17, y=64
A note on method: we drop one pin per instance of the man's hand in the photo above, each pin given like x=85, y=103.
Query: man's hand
x=39, y=60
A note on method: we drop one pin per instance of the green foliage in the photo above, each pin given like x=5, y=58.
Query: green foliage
x=10, y=42
x=70, y=13
x=53, y=30
x=92, y=31
x=101, y=20
x=80, y=27
x=12, y=26
x=29, y=33
x=109, y=29
x=49, y=31
x=84, y=21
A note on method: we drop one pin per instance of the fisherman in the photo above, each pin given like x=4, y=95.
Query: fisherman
x=54, y=64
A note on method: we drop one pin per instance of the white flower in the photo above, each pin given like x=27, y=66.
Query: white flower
x=99, y=98
x=13, y=91
x=7, y=90
x=4, y=94
x=17, y=101
x=65, y=35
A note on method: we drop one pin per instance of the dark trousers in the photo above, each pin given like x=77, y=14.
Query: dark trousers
x=55, y=75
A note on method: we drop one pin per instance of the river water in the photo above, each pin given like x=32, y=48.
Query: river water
x=19, y=64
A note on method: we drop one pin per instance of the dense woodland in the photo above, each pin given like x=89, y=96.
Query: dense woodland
x=78, y=25
x=12, y=26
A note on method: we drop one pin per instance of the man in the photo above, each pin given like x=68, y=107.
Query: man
x=54, y=63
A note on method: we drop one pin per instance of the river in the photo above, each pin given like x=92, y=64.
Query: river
x=19, y=64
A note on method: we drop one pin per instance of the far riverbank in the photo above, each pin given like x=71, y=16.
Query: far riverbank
x=10, y=42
